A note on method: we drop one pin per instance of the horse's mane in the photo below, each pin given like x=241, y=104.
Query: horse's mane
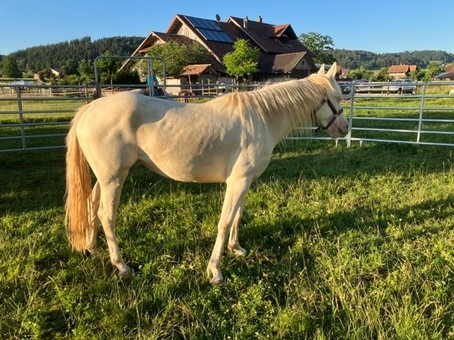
x=293, y=100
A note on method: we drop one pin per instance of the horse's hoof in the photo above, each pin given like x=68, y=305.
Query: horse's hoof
x=94, y=254
x=217, y=280
x=91, y=253
x=125, y=272
x=239, y=251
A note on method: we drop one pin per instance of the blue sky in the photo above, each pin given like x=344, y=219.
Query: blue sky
x=376, y=26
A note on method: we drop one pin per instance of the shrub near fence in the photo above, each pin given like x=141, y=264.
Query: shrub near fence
x=37, y=117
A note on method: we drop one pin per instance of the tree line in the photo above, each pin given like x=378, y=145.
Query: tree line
x=322, y=46
x=71, y=56
x=354, y=59
x=76, y=57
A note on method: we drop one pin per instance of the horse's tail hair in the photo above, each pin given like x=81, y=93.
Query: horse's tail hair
x=78, y=222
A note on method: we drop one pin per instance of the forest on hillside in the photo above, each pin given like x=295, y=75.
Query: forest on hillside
x=69, y=54
x=354, y=59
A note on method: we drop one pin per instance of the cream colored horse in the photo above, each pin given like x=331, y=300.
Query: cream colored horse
x=228, y=139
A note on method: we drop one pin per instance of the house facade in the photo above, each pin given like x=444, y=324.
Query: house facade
x=282, y=55
x=401, y=71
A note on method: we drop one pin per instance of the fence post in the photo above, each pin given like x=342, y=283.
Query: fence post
x=421, y=110
x=350, y=119
x=21, y=116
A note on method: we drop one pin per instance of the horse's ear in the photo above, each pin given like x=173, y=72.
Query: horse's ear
x=321, y=70
x=332, y=71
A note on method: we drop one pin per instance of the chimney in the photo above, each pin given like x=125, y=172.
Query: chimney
x=259, y=19
x=245, y=23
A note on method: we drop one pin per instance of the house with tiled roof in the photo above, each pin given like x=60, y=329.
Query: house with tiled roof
x=401, y=71
x=282, y=55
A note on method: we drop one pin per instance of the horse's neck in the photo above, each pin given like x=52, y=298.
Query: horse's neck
x=298, y=113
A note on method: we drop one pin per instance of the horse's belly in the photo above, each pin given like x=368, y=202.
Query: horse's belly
x=197, y=169
x=204, y=154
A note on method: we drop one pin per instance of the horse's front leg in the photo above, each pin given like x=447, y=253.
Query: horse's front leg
x=231, y=212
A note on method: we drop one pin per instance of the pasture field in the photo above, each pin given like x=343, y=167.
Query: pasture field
x=343, y=243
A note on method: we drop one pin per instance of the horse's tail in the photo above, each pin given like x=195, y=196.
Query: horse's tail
x=78, y=189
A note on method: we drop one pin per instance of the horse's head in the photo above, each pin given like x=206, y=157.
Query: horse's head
x=330, y=115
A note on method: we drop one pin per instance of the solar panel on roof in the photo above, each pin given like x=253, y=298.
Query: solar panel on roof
x=210, y=30
x=215, y=35
x=204, y=23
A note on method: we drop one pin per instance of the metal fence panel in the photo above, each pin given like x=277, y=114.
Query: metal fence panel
x=37, y=117
x=423, y=117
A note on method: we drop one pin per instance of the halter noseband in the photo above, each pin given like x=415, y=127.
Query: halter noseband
x=336, y=113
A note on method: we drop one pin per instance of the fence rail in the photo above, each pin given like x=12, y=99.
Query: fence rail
x=37, y=117
x=428, y=120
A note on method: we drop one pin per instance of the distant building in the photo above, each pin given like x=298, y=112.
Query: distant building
x=401, y=71
x=447, y=75
x=282, y=55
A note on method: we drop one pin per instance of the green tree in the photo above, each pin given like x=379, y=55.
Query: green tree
x=382, y=75
x=321, y=45
x=71, y=66
x=127, y=77
x=361, y=73
x=108, y=67
x=86, y=71
x=417, y=75
x=243, y=60
x=176, y=56
x=433, y=69
x=71, y=79
x=10, y=68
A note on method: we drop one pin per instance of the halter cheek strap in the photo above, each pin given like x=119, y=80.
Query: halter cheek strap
x=335, y=112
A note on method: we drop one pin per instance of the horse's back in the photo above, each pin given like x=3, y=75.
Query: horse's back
x=185, y=142
x=107, y=131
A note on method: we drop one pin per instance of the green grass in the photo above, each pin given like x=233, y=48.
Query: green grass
x=32, y=104
x=344, y=243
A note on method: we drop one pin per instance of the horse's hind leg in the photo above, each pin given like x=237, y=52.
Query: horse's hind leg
x=110, y=198
x=91, y=237
x=231, y=213
x=234, y=245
